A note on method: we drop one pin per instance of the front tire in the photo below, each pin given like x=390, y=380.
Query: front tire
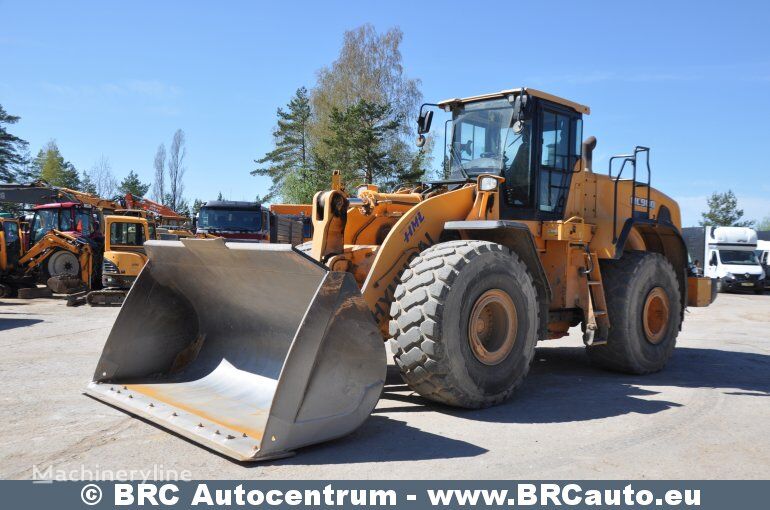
x=644, y=306
x=465, y=323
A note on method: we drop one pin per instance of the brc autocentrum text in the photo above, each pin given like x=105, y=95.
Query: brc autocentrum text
x=520, y=495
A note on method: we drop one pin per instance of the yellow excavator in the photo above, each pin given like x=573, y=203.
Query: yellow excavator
x=270, y=348
x=124, y=257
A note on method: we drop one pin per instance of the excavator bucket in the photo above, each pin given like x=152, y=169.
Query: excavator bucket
x=252, y=350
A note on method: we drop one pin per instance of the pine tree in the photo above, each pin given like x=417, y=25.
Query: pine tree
x=87, y=185
x=358, y=144
x=183, y=207
x=723, y=211
x=132, y=184
x=50, y=166
x=12, y=149
x=291, y=158
x=197, y=204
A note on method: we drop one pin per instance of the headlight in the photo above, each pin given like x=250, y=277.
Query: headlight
x=488, y=184
x=729, y=276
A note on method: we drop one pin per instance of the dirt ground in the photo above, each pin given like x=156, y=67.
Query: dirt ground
x=705, y=416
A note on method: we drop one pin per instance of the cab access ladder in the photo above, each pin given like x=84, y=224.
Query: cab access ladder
x=593, y=303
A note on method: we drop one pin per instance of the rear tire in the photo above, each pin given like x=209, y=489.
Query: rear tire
x=61, y=263
x=644, y=306
x=440, y=356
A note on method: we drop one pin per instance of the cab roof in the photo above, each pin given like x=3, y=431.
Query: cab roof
x=532, y=92
x=117, y=218
x=231, y=204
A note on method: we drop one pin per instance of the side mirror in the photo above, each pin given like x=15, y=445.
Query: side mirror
x=424, y=121
x=520, y=107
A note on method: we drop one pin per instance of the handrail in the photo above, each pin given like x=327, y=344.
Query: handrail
x=629, y=158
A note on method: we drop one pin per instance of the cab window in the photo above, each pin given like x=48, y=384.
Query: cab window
x=517, y=190
x=44, y=221
x=11, y=231
x=65, y=221
x=83, y=222
x=559, y=152
x=127, y=234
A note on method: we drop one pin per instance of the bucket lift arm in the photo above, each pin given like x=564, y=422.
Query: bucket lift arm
x=56, y=240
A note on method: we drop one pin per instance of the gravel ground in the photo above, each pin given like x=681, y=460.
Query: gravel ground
x=705, y=416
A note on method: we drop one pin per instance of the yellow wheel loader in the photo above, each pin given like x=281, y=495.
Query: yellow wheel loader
x=268, y=348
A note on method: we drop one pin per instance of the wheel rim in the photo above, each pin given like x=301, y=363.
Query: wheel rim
x=655, y=315
x=492, y=327
x=63, y=263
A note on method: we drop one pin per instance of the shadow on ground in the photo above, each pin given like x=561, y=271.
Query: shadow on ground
x=563, y=387
x=6, y=324
x=383, y=439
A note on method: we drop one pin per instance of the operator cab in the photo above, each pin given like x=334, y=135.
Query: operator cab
x=127, y=233
x=68, y=217
x=531, y=138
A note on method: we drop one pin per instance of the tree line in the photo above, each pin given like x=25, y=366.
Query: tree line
x=18, y=165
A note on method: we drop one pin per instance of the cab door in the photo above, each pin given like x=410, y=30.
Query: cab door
x=541, y=152
x=558, y=149
x=11, y=243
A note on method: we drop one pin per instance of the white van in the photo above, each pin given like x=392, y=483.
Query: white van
x=728, y=254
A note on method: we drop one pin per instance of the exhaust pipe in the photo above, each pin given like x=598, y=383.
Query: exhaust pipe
x=588, y=153
x=252, y=350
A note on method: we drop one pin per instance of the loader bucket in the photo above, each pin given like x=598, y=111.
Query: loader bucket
x=250, y=349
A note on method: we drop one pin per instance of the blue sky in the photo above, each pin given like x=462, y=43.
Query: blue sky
x=689, y=79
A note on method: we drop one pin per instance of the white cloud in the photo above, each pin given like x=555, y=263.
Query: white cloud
x=145, y=88
x=152, y=88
